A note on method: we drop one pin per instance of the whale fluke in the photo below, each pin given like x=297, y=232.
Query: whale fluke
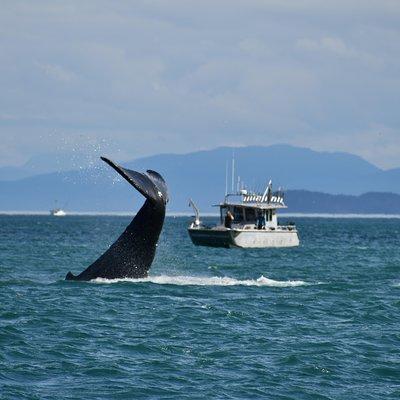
x=133, y=252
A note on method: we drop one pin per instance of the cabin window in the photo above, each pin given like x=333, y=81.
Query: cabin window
x=250, y=214
x=270, y=214
x=223, y=211
x=238, y=214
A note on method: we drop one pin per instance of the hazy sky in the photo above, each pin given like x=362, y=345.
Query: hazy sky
x=141, y=77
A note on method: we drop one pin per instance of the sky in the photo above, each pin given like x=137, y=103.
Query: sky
x=135, y=78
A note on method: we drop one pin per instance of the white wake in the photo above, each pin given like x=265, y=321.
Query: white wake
x=206, y=281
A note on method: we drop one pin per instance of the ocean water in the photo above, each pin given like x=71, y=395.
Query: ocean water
x=321, y=321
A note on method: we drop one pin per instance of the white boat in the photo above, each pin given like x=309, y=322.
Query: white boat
x=254, y=223
x=58, y=212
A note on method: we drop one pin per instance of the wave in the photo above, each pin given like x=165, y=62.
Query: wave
x=206, y=281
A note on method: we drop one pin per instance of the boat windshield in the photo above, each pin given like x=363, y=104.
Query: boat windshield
x=223, y=211
x=238, y=214
x=250, y=214
x=245, y=215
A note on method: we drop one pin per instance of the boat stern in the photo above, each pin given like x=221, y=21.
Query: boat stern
x=203, y=236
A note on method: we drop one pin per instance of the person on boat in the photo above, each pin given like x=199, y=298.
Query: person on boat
x=261, y=221
x=228, y=219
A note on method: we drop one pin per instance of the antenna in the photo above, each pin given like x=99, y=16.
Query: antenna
x=226, y=178
x=233, y=171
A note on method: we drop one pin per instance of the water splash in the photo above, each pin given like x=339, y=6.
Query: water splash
x=206, y=281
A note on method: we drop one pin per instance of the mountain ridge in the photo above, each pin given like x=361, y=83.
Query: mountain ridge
x=201, y=176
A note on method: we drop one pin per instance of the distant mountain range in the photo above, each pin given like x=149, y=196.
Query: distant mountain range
x=314, y=181
x=303, y=201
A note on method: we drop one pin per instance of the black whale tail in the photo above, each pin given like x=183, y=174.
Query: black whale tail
x=132, y=254
x=150, y=184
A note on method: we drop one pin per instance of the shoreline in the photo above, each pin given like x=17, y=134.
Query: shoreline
x=185, y=214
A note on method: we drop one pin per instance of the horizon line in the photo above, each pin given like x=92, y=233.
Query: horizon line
x=207, y=215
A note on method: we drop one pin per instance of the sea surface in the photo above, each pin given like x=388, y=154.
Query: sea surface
x=321, y=321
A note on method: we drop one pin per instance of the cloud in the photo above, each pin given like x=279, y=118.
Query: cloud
x=330, y=44
x=179, y=76
x=336, y=47
x=57, y=72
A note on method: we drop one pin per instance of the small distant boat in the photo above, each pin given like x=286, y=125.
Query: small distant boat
x=57, y=212
x=247, y=220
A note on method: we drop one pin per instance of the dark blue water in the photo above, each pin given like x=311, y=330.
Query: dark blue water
x=316, y=322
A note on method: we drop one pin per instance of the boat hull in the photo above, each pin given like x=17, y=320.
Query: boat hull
x=243, y=238
x=58, y=213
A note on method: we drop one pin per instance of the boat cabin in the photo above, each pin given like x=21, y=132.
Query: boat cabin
x=249, y=217
x=251, y=211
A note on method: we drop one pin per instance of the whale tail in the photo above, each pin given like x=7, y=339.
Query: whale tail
x=150, y=184
x=132, y=254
